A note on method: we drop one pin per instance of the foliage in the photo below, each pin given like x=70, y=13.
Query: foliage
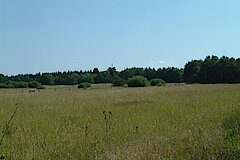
x=160, y=84
x=119, y=82
x=17, y=84
x=157, y=81
x=34, y=84
x=137, y=81
x=103, y=77
x=47, y=79
x=213, y=70
x=191, y=71
x=87, y=77
x=5, y=85
x=3, y=79
x=95, y=71
x=84, y=85
x=170, y=74
x=41, y=87
x=210, y=70
x=71, y=79
x=13, y=84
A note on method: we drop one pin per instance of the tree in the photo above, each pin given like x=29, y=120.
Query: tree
x=47, y=79
x=191, y=71
x=149, y=73
x=3, y=79
x=208, y=72
x=87, y=77
x=71, y=79
x=170, y=74
x=95, y=70
x=103, y=77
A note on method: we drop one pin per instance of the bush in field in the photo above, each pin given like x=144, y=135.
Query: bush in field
x=157, y=82
x=22, y=85
x=84, y=85
x=18, y=84
x=4, y=85
x=13, y=84
x=119, y=82
x=137, y=81
x=160, y=84
x=40, y=87
x=34, y=84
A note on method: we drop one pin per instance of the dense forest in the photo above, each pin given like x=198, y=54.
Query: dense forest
x=210, y=70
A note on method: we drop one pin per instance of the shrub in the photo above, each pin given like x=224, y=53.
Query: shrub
x=40, y=87
x=119, y=82
x=84, y=85
x=160, y=84
x=157, y=82
x=4, y=85
x=137, y=81
x=19, y=84
x=34, y=84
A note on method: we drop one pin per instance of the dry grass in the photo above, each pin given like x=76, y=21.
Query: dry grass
x=171, y=122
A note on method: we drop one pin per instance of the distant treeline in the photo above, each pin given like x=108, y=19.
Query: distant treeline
x=210, y=70
x=95, y=76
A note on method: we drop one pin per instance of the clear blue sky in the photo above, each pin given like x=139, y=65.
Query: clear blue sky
x=60, y=35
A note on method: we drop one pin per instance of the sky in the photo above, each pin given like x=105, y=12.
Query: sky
x=61, y=35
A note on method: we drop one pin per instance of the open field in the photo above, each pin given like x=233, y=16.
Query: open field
x=170, y=122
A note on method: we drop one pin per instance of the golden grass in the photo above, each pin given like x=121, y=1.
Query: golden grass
x=171, y=122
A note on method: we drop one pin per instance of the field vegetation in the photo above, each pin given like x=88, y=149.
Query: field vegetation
x=208, y=71
x=175, y=121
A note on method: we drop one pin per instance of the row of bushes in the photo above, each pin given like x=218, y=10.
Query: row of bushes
x=13, y=84
x=138, y=81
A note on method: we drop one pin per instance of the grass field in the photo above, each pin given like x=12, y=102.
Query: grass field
x=170, y=122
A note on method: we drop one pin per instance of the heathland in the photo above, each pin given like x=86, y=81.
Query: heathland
x=175, y=121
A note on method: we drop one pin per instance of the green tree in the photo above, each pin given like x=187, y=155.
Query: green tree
x=208, y=72
x=191, y=71
x=87, y=77
x=47, y=79
x=71, y=79
x=3, y=79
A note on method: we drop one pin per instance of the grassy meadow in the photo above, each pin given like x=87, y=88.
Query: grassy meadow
x=116, y=123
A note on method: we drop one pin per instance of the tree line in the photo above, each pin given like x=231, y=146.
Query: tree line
x=170, y=74
x=210, y=70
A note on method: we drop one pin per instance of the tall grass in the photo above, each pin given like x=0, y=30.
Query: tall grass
x=171, y=122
